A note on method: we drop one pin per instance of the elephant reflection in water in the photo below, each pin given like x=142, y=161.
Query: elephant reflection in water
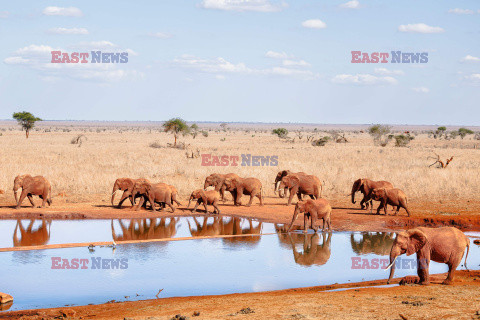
x=146, y=229
x=30, y=236
x=378, y=243
x=313, y=253
x=227, y=226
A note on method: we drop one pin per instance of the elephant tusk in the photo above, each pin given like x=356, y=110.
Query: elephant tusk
x=114, y=192
x=390, y=265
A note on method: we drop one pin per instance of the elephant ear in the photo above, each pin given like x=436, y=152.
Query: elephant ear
x=417, y=239
x=295, y=181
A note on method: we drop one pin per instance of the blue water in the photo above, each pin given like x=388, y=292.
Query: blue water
x=198, y=267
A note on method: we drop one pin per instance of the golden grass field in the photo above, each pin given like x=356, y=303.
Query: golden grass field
x=113, y=151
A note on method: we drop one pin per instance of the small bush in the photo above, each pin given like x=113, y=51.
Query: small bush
x=402, y=140
x=156, y=145
x=281, y=133
x=379, y=134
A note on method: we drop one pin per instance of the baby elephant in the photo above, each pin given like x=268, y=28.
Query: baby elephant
x=206, y=197
x=392, y=196
x=315, y=209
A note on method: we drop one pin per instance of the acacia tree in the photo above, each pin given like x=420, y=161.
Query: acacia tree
x=176, y=126
x=26, y=120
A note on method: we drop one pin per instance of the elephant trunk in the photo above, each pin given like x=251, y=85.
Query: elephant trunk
x=295, y=214
x=16, y=197
x=189, y=201
x=206, y=185
x=393, y=256
x=114, y=191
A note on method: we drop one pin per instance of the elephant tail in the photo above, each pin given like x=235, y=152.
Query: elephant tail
x=468, y=249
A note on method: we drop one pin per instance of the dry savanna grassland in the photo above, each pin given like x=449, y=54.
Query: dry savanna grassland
x=82, y=171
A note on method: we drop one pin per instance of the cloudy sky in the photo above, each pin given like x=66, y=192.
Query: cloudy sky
x=243, y=60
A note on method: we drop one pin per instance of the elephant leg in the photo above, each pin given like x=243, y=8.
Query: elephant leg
x=30, y=198
x=404, y=206
x=385, y=207
x=422, y=270
x=22, y=197
x=259, y=196
x=171, y=206
x=362, y=203
x=290, y=197
x=380, y=207
x=252, y=195
x=44, y=201
x=313, y=221
x=299, y=196
x=205, y=206
x=305, y=222
x=217, y=210
x=140, y=203
x=125, y=195
x=452, y=266
x=196, y=206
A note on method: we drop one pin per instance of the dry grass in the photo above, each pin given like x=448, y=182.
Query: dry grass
x=112, y=152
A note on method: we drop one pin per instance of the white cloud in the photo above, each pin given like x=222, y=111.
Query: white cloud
x=68, y=31
x=314, y=24
x=295, y=63
x=421, y=89
x=276, y=55
x=354, y=4
x=469, y=58
x=473, y=79
x=16, y=60
x=59, y=11
x=38, y=58
x=4, y=14
x=386, y=72
x=419, y=28
x=242, y=5
x=363, y=79
x=222, y=66
x=220, y=77
x=160, y=35
x=461, y=11
x=95, y=45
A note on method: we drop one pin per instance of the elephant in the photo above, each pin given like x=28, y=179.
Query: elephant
x=146, y=229
x=394, y=197
x=30, y=237
x=38, y=186
x=313, y=253
x=444, y=245
x=173, y=191
x=244, y=186
x=216, y=180
x=378, y=243
x=315, y=209
x=366, y=186
x=206, y=197
x=301, y=185
x=154, y=194
x=125, y=185
x=279, y=177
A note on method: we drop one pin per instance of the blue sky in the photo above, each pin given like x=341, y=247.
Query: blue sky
x=243, y=60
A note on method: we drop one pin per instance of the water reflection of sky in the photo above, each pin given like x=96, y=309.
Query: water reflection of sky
x=197, y=267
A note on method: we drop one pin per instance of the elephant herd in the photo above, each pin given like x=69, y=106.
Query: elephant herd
x=286, y=183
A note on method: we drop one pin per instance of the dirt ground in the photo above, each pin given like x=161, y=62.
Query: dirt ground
x=459, y=301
